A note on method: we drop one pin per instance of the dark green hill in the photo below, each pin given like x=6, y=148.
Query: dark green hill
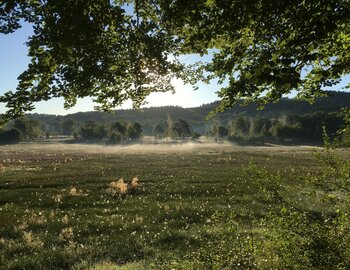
x=148, y=117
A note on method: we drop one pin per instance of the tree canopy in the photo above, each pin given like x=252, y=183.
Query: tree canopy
x=99, y=48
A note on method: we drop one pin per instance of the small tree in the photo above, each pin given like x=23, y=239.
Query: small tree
x=115, y=137
x=138, y=129
x=30, y=128
x=68, y=126
x=181, y=129
x=47, y=134
x=11, y=136
x=196, y=135
x=75, y=135
x=93, y=131
x=120, y=127
x=259, y=127
x=239, y=129
x=134, y=131
x=160, y=130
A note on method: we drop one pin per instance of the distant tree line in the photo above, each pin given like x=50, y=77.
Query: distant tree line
x=196, y=117
x=125, y=131
x=152, y=118
x=32, y=129
x=290, y=128
x=115, y=133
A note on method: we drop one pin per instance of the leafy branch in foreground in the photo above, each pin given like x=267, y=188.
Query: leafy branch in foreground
x=90, y=49
x=264, y=49
x=115, y=51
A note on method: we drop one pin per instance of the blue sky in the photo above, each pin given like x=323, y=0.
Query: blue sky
x=14, y=60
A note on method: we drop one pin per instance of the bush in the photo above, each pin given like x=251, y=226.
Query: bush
x=11, y=136
x=309, y=228
x=90, y=130
x=115, y=138
x=196, y=135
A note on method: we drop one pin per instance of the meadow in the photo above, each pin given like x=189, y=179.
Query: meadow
x=198, y=206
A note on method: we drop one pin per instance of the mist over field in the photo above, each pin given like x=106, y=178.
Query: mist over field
x=150, y=148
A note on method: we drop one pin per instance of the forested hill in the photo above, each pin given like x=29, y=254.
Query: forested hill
x=334, y=102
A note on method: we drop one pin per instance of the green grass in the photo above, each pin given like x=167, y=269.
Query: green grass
x=190, y=197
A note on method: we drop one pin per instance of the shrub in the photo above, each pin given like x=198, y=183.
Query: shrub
x=11, y=136
x=115, y=137
x=307, y=230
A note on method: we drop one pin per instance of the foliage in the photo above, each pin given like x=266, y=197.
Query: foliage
x=343, y=133
x=196, y=135
x=310, y=228
x=10, y=136
x=294, y=129
x=266, y=49
x=160, y=130
x=286, y=129
x=125, y=131
x=75, y=135
x=30, y=128
x=113, y=54
x=103, y=51
x=217, y=131
x=260, y=127
x=115, y=137
x=180, y=129
x=120, y=127
x=134, y=131
x=196, y=117
x=92, y=131
x=240, y=126
x=177, y=130
x=117, y=132
x=68, y=126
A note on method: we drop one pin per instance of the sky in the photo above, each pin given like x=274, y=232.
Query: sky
x=14, y=60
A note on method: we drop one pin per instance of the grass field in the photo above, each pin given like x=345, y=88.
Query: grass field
x=194, y=196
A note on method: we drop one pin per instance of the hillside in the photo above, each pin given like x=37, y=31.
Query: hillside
x=148, y=117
